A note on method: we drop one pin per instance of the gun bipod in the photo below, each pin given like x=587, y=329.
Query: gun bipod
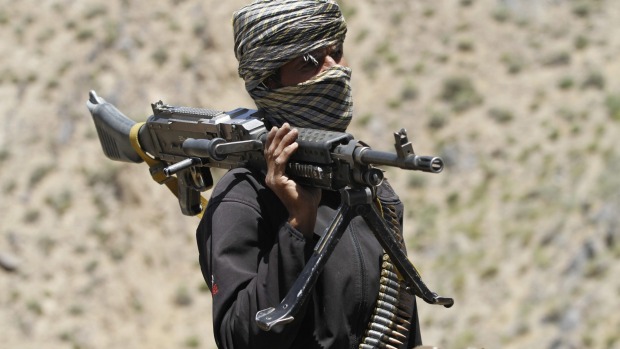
x=354, y=202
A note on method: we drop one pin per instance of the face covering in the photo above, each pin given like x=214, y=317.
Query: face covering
x=269, y=33
x=322, y=102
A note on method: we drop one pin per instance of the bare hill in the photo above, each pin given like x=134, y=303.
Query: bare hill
x=521, y=99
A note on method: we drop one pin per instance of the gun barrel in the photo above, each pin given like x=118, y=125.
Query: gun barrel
x=431, y=164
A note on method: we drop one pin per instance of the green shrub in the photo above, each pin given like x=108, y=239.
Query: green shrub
x=95, y=11
x=4, y=155
x=348, y=11
x=514, y=63
x=9, y=187
x=84, y=34
x=39, y=174
x=612, y=102
x=409, y=91
x=385, y=51
x=594, y=79
x=182, y=297
x=557, y=59
x=60, y=202
x=32, y=216
x=566, y=83
x=160, y=56
x=501, y=14
x=370, y=65
x=582, y=9
x=437, y=120
x=192, y=342
x=581, y=42
x=501, y=115
x=428, y=12
x=364, y=119
x=111, y=33
x=4, y=17
x=35, y=307
x=394, y=103
x=460, y=93
x=362, y=35
x=465, y=45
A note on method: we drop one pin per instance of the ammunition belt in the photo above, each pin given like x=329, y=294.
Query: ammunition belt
x=391, y=318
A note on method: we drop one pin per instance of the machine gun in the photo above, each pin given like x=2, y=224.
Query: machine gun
x=182, y=144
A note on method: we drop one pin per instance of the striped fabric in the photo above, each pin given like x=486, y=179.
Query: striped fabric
x=323, y=102
x=270, y=33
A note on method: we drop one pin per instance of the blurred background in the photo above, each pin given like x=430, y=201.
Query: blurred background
x=520, y=97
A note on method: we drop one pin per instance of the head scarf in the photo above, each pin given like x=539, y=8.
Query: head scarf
x=323, y=102
x=270, y=33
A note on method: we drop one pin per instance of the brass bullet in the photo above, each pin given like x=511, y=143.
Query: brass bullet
x=383, y=337
x=385, y=329
x=378, y=319
x=392, y=316
x=392, y=308
x=389, y=274
x=387, y=294
x=377, y=343
x=389, y=282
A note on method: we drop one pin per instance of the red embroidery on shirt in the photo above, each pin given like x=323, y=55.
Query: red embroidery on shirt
x=214, y=287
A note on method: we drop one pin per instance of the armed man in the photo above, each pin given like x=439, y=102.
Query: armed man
x=261, y=227
x=301, y=241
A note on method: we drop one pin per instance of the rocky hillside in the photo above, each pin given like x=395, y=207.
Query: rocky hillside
x=520, y=97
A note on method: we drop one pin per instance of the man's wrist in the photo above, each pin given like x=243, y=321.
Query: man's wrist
x=304, y=225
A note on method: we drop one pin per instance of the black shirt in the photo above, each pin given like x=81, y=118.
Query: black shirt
x=250, y=257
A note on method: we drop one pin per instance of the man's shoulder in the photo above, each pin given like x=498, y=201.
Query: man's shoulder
x=241, y=173
x=239, y=184
x=241, y=179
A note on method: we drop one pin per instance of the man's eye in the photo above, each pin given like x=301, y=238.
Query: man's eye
x=336, y=53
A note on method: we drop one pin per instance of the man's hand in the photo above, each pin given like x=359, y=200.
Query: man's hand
x=301, y=202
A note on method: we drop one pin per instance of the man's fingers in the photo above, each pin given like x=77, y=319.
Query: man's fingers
x=270, y=136
x=277, y=142
x=290, y=137
x=286, y=153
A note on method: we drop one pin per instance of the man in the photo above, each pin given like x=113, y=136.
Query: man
x=259, y=229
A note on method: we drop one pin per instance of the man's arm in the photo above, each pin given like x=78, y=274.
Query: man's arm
x=249, y=263
x=301, y=202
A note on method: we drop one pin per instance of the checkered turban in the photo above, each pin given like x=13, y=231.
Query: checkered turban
x=269, y=33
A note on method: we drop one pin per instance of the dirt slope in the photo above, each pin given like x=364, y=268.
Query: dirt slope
x=521, y=99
